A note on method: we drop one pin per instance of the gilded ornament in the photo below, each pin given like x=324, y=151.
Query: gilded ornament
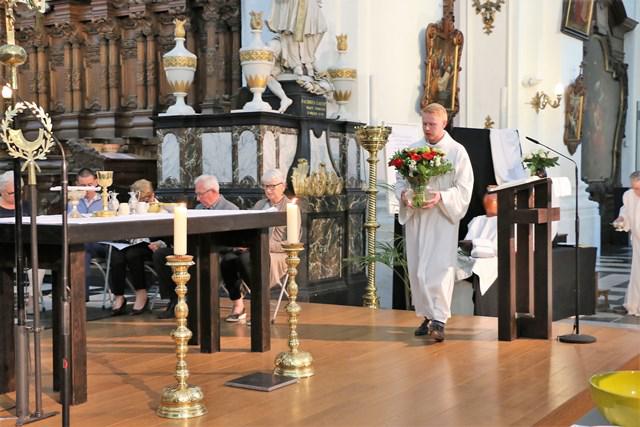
x=343, y=73
x=488, y=122
x=20, y=147
x=256, y=55
x=257, y=81
x=342, y=96
x=179, y=31
x=488, y=10
x=342, y=42
x=256, y=20
x=180, y=86
x=179, y=61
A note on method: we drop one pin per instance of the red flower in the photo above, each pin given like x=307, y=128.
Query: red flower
x=428, y=156
x=396, y=163
x=415, y=156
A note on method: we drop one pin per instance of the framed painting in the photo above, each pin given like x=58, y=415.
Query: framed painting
x=576, y=19
x=574, y=109
x=444, y=49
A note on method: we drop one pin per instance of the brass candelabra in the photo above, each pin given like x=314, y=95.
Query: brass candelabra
x=105, y=179
x=372, y=139
x=295, y=362
x=181, y=400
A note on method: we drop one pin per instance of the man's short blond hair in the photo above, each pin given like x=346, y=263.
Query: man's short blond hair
x=437, y=109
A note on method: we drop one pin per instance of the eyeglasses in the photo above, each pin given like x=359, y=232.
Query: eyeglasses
x=202, y=193
x=271, y=186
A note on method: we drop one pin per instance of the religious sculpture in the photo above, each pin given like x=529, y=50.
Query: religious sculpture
x=301, y=26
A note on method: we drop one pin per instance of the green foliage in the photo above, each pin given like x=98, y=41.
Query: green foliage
x=539, y=160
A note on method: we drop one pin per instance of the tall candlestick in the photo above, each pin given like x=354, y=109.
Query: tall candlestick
x=293, y=223
x=180, y=230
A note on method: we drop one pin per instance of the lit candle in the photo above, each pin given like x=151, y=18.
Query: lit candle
x=293, y=222
x=180, y=230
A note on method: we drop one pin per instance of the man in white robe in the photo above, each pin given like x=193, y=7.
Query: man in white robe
x=431, y=230
x=629, y=220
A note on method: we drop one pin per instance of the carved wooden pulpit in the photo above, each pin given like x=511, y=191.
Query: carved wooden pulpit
x=524, y=259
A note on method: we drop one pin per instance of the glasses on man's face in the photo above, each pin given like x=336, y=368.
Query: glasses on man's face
x=271, y=186
x=202, y=193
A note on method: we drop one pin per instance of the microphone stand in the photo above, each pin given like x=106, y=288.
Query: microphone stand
x=576, y=337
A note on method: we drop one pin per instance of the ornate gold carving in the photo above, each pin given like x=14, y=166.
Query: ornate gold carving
x=343, y=73
x=320, y=183
x=256, y=20
x=257, y=81
x=342, y=42
x=180, y=86
x=488, y=10
x=256, y=55
x=180, y=61
x=488, y=122
x=342, y=96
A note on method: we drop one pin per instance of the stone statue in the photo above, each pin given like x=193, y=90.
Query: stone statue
x=301, y=26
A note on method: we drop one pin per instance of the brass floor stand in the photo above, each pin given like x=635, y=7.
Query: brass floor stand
x=181, y=400
x=295, y=362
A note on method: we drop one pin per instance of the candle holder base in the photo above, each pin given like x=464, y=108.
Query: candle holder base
x=371, y=301
x=104, y=214
x=177, y=403
x=298, y=365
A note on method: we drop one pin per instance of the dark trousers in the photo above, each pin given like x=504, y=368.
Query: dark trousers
x=92, y=250
x=133, y=259
x=167, y=287
x=235, y=268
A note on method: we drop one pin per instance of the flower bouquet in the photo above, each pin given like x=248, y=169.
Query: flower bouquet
x=538, y=161
x=418, y=166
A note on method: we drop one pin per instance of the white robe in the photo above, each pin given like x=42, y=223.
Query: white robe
x=432, y=234
x=630, y=211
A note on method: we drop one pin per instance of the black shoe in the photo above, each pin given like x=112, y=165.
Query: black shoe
x=423, y=329
x=144, y=308
x=169, y=313
x=120, y=310
x=436, y=331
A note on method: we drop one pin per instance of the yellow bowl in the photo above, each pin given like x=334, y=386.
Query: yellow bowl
x=617, y=396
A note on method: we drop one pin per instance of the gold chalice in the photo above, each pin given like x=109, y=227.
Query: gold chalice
x=105, y=179
x=74, y=197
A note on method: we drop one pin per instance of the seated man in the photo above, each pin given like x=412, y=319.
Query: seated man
x=209, y=197
x=236, y=266
x=90, y=203
x=479, y=249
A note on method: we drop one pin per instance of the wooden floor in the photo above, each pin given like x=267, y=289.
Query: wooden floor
x=370, y=371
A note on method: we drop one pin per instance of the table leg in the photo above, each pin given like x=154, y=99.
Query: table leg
x=7, y=344
x=261, y=266
x=78, y=313
x=208, y=268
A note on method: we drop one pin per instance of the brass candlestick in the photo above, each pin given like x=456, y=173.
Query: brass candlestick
x=105, y=179
x=372, y=139
x=293, y=363
x=181, y=400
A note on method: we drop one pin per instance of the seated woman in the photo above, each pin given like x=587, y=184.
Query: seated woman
x=132, y=256
x=235, y=266
x=7, y=199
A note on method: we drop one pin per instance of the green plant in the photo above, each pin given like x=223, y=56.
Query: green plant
x=539, y=160
x=390, y=254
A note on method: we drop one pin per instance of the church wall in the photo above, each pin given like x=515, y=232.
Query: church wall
x=386, y=45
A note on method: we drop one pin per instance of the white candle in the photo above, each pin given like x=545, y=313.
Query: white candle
x=293, y=222
x=180, y=230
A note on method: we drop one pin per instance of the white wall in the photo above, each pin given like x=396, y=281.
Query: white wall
x=386, y=45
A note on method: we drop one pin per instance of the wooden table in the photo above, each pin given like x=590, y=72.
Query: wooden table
x=206, y=230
